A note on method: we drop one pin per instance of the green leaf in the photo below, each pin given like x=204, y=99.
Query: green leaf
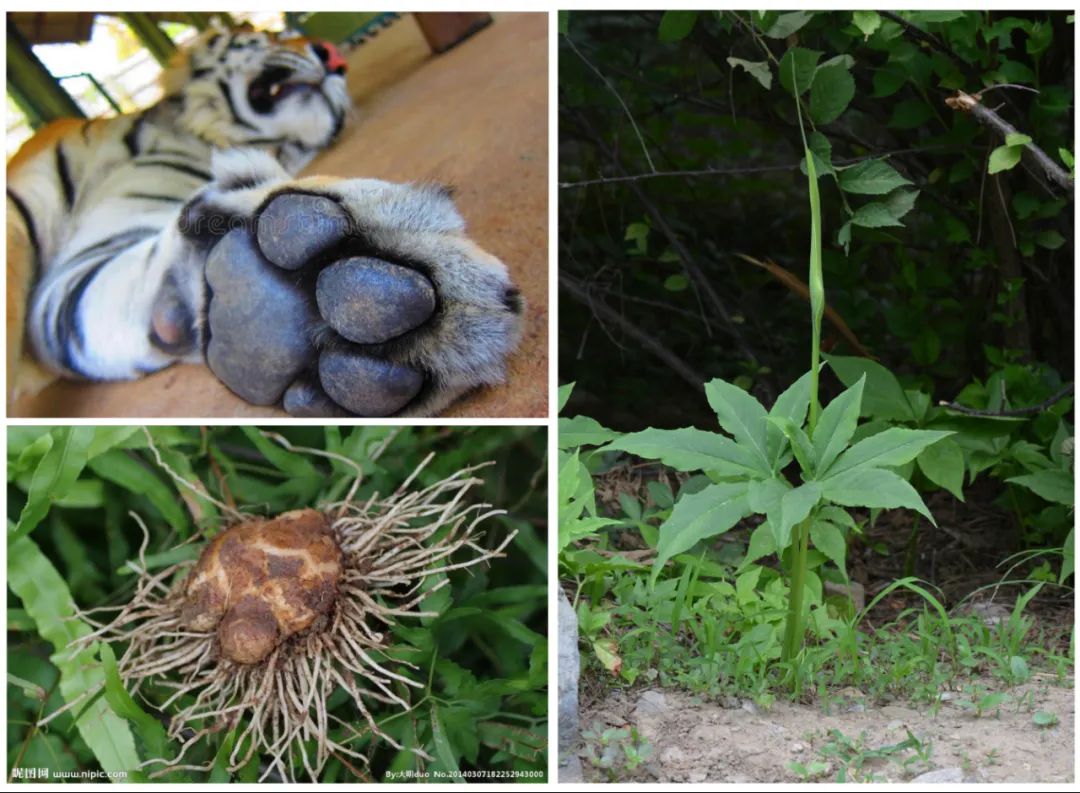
x=583, y=431
x=692, y=449
x=874, y=215
x=45, y=595
x=759, y=70
x=828, y=539
x=801, y=446
x=943, y=464
x=698, y=516
x=900, y=202
x=1004, y=158
x=564, y=22
x=676, y=25
x=895, y=446
x=1067, y=158
x=741, y=415
x=867, y=22
x=53, y=476
x=764, y=496
x=295, y=465
x=871, y=177
x=875, y=488
x=154, y=740
x=1052, y=484
x=1051, y=240
x=832, y=90
x=132, y=474
x=883, y=396
x=676, y=283
x=836, y=426
x=1017, y=139
x=786, y=24
x=564, y=394
x=761, y=544
x=1042, y=718
x=795, y=507
x=791, y=405
x=805, y=62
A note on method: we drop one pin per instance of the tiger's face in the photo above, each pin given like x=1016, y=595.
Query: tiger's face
x=254, y=88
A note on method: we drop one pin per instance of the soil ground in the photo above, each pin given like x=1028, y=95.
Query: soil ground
x=694, y=740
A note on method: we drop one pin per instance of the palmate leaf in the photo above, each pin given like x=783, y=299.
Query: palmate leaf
x=742, y=416
x=894, y=446
x=697, y=516
x=692, y=449
x=875, y=488
x=800, y=443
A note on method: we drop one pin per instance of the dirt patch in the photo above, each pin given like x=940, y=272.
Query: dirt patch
x=675, y=737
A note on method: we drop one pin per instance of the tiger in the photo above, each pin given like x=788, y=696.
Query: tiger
x=182, y=233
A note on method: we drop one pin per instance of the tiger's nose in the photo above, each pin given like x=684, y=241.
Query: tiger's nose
x=331, y=58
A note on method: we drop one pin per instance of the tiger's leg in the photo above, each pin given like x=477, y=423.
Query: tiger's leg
x=348, y=296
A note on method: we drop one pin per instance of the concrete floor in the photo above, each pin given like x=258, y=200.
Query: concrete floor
x=476, y=118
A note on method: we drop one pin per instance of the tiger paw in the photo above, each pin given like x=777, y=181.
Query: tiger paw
x=362, y=298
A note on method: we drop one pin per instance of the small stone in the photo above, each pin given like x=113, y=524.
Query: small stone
x=797, y=748
x=672, y=756
x=750, y=707
x=697, y=776
x=651, y=703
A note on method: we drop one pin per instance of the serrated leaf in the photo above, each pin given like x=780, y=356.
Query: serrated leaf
x=764, y=496
x=874, y=215
x=742, y=416
x=871, y=177
x=831, y=92
x=759, y=70
x=789, y=23
x=1004, y=158
x=676, y=25
x=836, y=426
x=805, y=65
x=867, y=22
x=943, y=464
x=691, y=449
x=698, y=516
x=875, y=488
x=583, y=431
x=895, y=446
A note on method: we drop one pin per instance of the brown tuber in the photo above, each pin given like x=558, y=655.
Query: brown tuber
x=262, y=581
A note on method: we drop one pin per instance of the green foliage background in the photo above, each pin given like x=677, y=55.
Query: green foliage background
x=948, y=274
x=70, y=537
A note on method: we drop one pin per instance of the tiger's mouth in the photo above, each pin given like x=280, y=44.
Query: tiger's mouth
x=272, y=86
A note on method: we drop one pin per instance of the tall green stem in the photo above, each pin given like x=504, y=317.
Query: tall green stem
x=795, y=628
